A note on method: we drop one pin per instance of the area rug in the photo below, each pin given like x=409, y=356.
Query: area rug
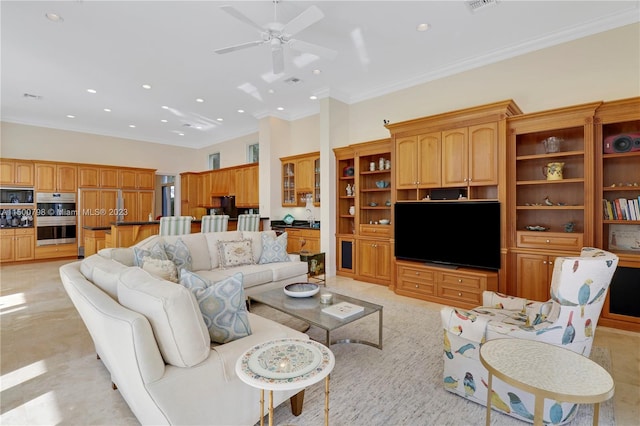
x=402, y=383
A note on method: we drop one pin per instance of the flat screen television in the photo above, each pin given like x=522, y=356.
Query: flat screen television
x=454, y=233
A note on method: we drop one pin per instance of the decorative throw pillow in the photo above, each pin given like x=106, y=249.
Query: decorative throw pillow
x=274, y=249
x=164, y=269
x=222, y=305
x=235, y=253
x=179, y=254
x=156, y=252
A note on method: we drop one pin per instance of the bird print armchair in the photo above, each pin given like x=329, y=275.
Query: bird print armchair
x=578, y=290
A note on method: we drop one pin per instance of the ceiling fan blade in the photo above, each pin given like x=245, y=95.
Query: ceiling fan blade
x=241, y=17
x=309, y=17
x=239, y=47
x=277, y=55
x=303, y=46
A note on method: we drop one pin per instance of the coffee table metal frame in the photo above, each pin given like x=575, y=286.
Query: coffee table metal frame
x=546, y=371
x=257, y=380
x=309, y=309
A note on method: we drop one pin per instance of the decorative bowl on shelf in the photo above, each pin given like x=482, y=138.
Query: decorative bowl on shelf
x=301, y=289
x=535, y=228
x=384, y=221
x=373, y=204
x=387, y=203
x=382, y=184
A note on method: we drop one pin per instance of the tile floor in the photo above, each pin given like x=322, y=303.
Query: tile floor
x=45, y=352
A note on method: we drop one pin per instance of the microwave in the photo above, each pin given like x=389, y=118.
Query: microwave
x=13, y=196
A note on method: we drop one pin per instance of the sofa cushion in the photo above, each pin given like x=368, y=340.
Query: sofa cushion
x=103, y=273
x=212, y=239
x=256, y=241
x=222, y=305
x=274, y=249
x=156, y=251
x=173, y=313
x=123, y=255
x=235, y=253
x=178, y=252
x=197, y=245
x=163, y=269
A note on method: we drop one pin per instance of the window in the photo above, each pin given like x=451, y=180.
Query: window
x=253, y=153
x=214, y=161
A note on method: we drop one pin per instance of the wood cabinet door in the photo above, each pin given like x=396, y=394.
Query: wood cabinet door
x=127, y=179
x=145, y=206
x=108, y=178
x=247, y=187
x=7, y=172
x=367, y=258
x=88, y=177
x=145, y=179
x=219, y=182
x=108, y=206
x=483, y=154
x=305, y=174
x=89, y=208
x=130, y=206
x=455, y=162
x=66, y=178
x=428, y=157
x=383, y=260
x=45, y=177
x=533, y=281
x=407, y=165
x=7, y=245
x=24, y=245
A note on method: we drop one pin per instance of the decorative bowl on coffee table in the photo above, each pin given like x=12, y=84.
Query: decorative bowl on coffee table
x=301, y=289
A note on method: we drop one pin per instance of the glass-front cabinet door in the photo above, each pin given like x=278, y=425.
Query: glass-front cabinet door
x=289, y=184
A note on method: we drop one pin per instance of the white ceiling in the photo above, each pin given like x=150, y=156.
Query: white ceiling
x=114, y=47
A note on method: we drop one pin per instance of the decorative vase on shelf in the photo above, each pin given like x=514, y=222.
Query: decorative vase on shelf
x=348, y=171
x=352, y=210
x=349, y=190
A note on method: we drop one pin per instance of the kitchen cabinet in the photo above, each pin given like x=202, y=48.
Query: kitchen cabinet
x=16, y=172
x=94, y=241
x=300, y=176
x=137, y=205
x=188, y=193
x=247, y=186
x=56, y=251
x=90, y=176
x=136, y=179
x=299, y=239
x=17, y=244
x=219, y=182
x=56, y=177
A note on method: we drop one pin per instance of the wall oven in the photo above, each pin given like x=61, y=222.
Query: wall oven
x=55, y=218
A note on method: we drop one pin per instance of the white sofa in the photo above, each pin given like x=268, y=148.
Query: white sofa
x=151, y=336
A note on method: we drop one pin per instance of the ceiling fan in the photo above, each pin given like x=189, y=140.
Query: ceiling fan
x=278, y=35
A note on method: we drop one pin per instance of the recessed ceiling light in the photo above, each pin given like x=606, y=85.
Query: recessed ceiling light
x=146, y=86
x=164, y=121
x=71, y=116
x=313, y=97
x=220, y=119
x=271, y=91
x=132, y=126
x=422, y=27
x=200, y=100
x=54, y=17
x=92, y=91
x=180, y=134
x=107, y=110
x=280, y=109
x=316, y=72
x=241, y=111
x=165, y=107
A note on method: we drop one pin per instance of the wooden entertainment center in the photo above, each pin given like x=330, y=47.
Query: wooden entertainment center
x=495, y=152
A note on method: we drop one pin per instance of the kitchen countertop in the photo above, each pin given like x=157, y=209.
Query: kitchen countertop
x=298, y=224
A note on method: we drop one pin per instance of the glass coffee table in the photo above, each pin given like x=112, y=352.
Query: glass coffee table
x=309, y=310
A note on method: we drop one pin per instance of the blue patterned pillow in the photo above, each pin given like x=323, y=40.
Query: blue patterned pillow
x=155, y=252
x=179, y=254
x=274, y=249
x=222, y=305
